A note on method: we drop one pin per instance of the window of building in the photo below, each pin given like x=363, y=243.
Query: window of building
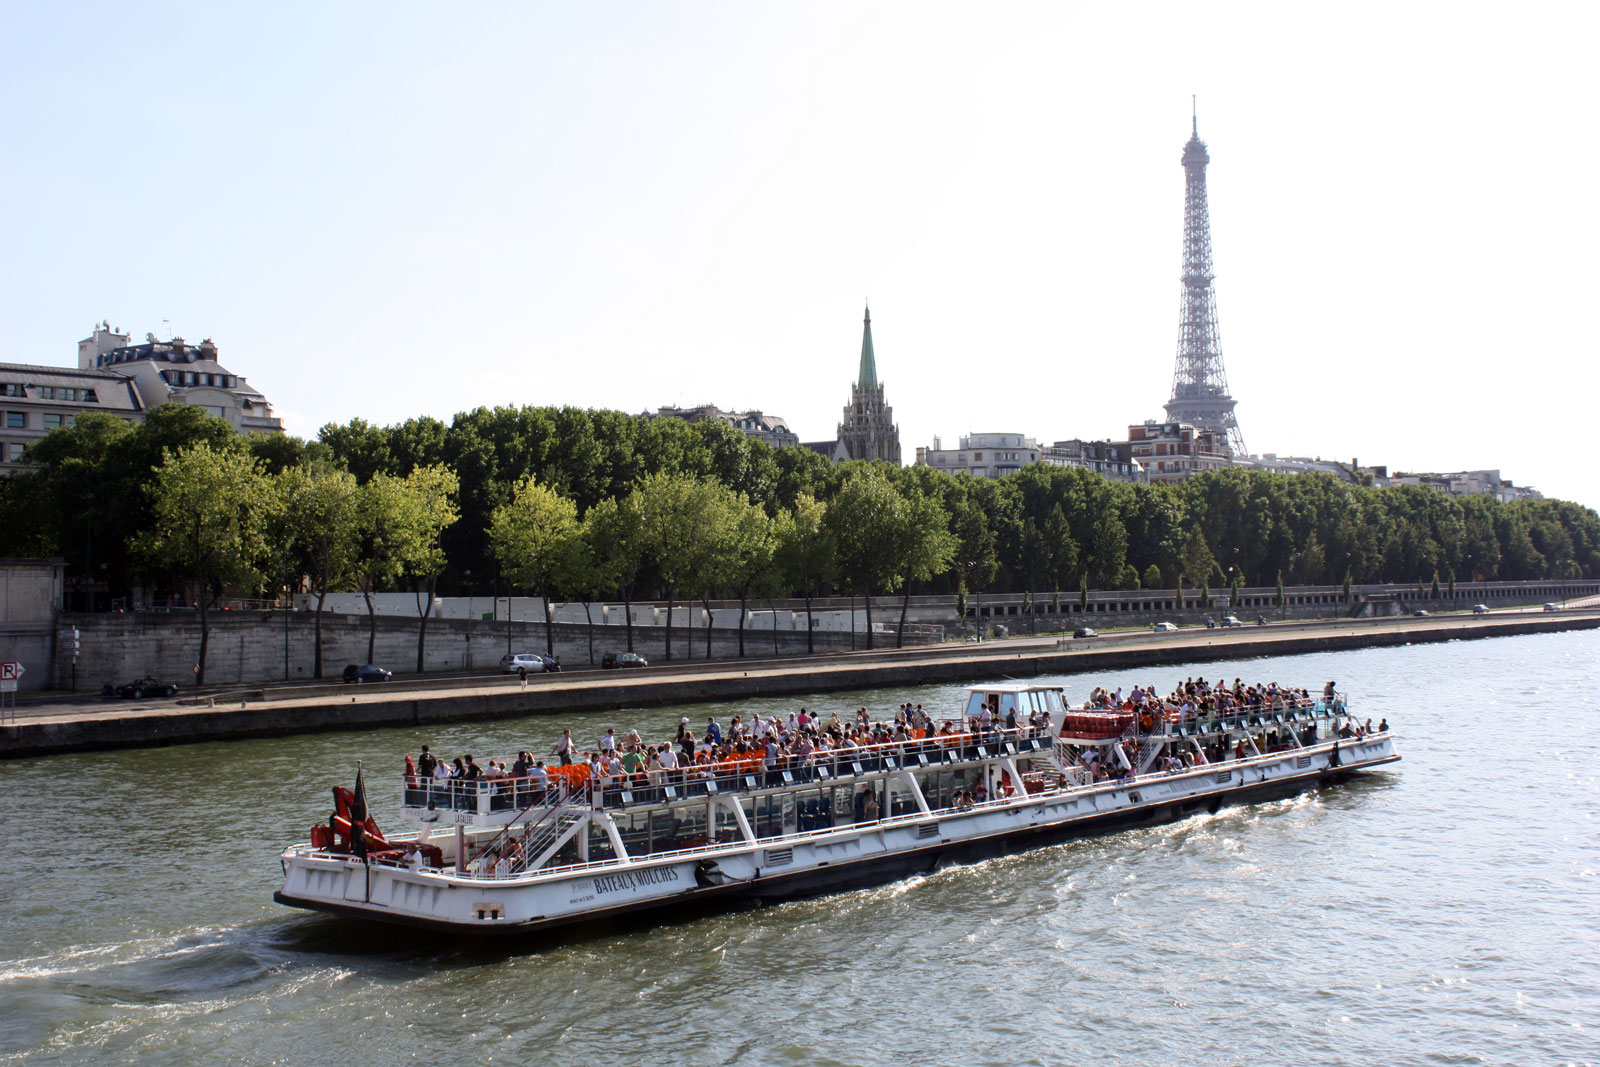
x=17, y=451
x=13, y=389
x=16, y=420
x=220, y=413
x=89, y=397
x=977, y=457
x=51, y=420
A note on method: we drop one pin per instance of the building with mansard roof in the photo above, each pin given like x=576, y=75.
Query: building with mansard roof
x=125, y=380
x=753, y=424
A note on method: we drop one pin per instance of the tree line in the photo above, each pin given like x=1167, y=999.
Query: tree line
x=583, y=505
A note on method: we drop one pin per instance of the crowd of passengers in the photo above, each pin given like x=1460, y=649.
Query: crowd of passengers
x=798, y=742
x=1197, y=699
x=803, y=740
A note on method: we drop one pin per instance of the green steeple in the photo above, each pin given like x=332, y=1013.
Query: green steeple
x=868, y=378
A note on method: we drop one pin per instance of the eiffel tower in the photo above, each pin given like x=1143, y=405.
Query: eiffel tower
x=1199, y=382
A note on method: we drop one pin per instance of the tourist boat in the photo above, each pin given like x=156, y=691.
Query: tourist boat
x=507, y=854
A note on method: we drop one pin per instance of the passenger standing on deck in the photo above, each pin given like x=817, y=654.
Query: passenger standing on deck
x=714, y=730
x=563, y=749
x=427, y=763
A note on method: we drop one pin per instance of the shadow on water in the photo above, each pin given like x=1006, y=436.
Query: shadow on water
x=355, y=938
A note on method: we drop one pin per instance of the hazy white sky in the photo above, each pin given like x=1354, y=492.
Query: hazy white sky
x=387, y=210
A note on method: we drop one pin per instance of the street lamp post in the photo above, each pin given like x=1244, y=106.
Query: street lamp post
x=286, y=603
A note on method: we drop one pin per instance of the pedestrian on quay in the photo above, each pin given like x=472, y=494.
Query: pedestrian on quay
x=522, y=673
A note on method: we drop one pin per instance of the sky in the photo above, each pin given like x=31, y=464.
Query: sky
x=385, y=210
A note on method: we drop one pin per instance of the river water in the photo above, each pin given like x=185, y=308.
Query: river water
x=1442, y=911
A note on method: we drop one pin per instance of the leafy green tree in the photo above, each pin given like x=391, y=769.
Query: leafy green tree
x=1195, y=557
x=614, y=553
x=1152, y=576
x=537, y=541
x=1061, y=551
x=588, y=578
x=864, y=519
x=427, y=509
x=924, y=547
x=280, y=451
x=319, y=513
x=1110, y=550
x=747, y=552
x=210, y=509
x=363, y=449
x=77, y=500
x=806, y=553
x=975, y=559
x=680, y=523
x=384, y=530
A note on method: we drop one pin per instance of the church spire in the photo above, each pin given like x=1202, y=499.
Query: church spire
x=868, y=377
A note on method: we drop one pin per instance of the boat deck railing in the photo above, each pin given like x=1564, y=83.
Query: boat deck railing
x=506, y=796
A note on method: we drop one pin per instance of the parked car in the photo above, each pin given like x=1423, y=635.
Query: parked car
x=616, y=660
x=1084, y=631
x=1163, y=627
x=366, y=672
x=1551, y=607
x=531, y=662
x=1231, y=620
x=1420, y=613
x=1480, y=609
x=147, y=686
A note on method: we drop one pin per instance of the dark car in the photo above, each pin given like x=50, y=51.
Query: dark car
x=1420, y=613
x=1084, y=631
x=147, y=686
x=616, y=660
x=366, y=672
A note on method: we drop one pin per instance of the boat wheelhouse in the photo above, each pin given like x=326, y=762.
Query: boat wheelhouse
x=1016, y=767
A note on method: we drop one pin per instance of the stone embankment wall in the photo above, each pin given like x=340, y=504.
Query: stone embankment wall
x=249, y=647
x=1050, y=612
x=252, y=647
x=569, y=693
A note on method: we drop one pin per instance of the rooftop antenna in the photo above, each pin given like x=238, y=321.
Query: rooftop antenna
x=168, y=324
x=1194, y=116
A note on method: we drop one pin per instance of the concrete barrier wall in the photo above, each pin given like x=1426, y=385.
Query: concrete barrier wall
x=252, y=647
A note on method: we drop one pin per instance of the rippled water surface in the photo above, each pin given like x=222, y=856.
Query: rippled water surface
x=1444, y=911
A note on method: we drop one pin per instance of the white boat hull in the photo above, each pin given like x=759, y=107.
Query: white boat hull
x=800, y=864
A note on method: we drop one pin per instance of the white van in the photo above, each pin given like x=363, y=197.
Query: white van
x=531, y=662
